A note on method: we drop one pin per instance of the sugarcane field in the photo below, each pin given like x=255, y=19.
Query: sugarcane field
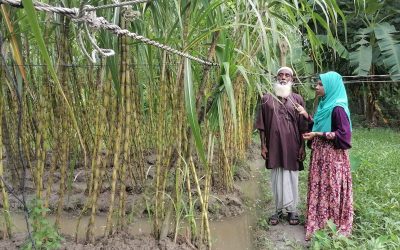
x=199, y=124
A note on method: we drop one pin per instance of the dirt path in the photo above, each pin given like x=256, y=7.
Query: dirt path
x=283, y=235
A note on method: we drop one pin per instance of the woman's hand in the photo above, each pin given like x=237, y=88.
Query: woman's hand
x=330, y=135
x=309, y=136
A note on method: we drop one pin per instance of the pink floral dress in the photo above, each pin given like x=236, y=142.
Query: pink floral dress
x=329, y=188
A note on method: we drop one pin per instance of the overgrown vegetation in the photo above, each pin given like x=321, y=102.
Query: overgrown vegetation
x=44, y=235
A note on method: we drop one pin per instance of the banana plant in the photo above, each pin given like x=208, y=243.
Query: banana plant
x=377, y=45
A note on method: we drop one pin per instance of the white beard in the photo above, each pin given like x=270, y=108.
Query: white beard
x=283, y=90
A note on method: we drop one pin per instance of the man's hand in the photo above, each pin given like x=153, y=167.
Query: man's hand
x=264, y=152
x=302, y=154
x=301, y=110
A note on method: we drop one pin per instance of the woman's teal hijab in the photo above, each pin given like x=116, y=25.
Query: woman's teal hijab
x=335, y=95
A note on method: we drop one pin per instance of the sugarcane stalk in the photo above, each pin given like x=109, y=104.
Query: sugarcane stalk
x=161, y=151
x=65, y=140
x=116, y=168
x=125, y=81
x=39, y=151
x=64, y=152
x=56, y=137
x=97, y=163
x=6, y=204
x=204, y=214
x=116, y=151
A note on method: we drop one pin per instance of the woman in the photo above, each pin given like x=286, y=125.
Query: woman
x=329, y=182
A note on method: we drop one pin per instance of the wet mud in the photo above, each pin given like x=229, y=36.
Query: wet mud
x=234, y=217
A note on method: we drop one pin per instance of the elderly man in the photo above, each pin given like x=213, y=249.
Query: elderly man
x=282, y=145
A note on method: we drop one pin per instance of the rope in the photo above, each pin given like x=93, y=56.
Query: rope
x=100, y=22
x=116, y=5
x=316, y=77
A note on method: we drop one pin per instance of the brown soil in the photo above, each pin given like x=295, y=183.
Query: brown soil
x=221, y=204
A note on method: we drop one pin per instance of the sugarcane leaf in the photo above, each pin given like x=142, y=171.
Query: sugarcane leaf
x=14, y=42
x=190, y=106
x=229, y=91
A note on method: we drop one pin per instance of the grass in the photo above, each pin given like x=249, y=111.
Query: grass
x=376, y=188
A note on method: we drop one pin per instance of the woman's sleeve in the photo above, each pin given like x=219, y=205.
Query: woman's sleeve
x=341, y=127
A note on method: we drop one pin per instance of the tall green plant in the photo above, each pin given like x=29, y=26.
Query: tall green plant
x=377, y=45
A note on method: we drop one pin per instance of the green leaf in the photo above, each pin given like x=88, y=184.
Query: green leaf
x=361, y=59
x=332, y=226
x=190, y=105
x=334, y=44
x=229, y=91
x=390, y=47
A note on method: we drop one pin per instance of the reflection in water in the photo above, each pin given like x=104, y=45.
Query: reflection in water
x=68, y=225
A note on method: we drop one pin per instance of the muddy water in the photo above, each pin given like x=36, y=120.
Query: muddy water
x=235, y=233
x=227, y=234
x=68, y=224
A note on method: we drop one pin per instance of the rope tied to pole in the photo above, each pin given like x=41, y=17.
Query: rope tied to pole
x=88, y=16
